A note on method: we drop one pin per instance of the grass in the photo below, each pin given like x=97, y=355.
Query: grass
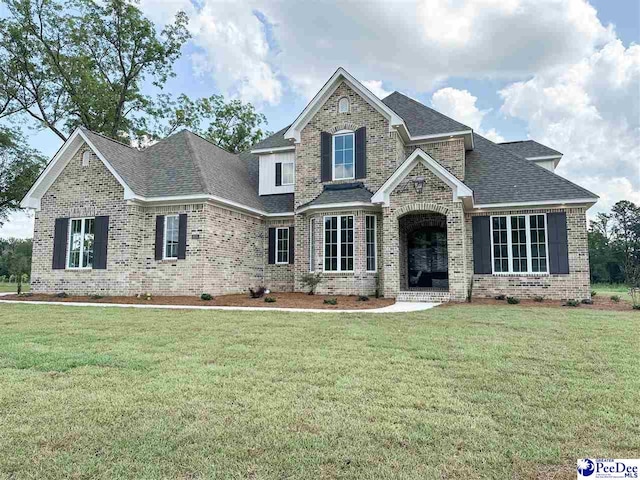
x=455, y=392
x=12, y=287
x=606, y=290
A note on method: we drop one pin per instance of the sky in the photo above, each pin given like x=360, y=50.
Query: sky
x=565, y=73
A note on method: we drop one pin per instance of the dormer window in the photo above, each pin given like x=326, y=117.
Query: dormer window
x=343, y=105
x=343, y=155
x=86, y=156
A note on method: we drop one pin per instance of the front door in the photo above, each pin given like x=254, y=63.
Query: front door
x=428, y=259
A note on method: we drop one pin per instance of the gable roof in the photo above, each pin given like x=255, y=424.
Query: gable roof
x=331, y=194
x=498, y=176
x=275, y=140
x=530, y=149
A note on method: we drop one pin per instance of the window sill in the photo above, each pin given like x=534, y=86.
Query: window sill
x=520, y=274
x=79, y=269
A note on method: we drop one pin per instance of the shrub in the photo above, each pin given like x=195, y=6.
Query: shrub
x=615, y=298
x=363, y=298
x=587, y=301
x=270, y=299
x=593, y=293
x=62, y=295
x=95, y=296
x=312, y=280
x=331, y=301
x=572, y=303
x=25, y=278
x=538, y=298
x=635, y=307
x=501, y=297
x=257, y=293
x=206, y=296
x=513, y=300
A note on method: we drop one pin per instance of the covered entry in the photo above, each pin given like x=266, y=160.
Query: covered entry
x=424, y=261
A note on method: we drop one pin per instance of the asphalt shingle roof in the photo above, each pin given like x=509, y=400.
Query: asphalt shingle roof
x=274, y=141
x=420, y=119
x=529, y=148
x=342, y=193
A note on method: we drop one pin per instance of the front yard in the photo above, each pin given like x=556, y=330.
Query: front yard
x=457, y=392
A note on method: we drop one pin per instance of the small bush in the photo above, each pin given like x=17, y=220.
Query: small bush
x=25, y=278
x=363, y=298
x=312, y=280
x=513, y=300
x=206, y=296
x=62, y=295
x=587, y=301
x=615, y=298
x=331, y=301
x=270, y=299
x=257, y=293
x=593, y=293
x=636, y=307
x=95, y=297
x=538, y=298
x=572, y=303
x=501, y=297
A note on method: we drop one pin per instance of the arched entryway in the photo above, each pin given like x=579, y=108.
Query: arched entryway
x=424, y=259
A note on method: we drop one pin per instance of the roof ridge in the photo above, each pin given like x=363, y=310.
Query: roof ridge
x=206, y=140
x=196, y=161
x=109, y=138
x=422, y=105
x=517, y=141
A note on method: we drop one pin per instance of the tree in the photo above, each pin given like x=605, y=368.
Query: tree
x=19, y=168
x=233, y=125
x=15, y=254
x=83, y=62
x=626, y=216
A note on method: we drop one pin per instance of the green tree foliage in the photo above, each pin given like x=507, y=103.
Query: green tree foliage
x=614, y=244
x=19, y=168
x=15, y=257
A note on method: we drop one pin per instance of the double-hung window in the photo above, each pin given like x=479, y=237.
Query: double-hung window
x=343, y=156
x=282, y=245
x=80, y=251
x=519, y=243
x=370, y=241
x=288, y=177
x=171, y=229
x=338, y=243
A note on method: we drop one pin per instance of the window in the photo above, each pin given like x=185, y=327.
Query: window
x=370, y=240
x=343, y=155
x=282, y=245
x=86, y=156
x=343, y=105
x=519, y=244
x=312, y=245
x=338, y=243
x=81, y=243
x=288, y=173
x=171, y=228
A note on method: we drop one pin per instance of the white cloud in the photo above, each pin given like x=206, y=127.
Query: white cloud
x=18, y=225
x=376, y=88
x=591, y=113
x=461, y=106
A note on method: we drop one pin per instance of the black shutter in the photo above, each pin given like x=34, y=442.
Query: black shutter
x=558, y=244
x=100, y=241
x=182, y=236
x=292, y=248
x=481, y=245
x=272, y=246
x=361, y=152
x=278, y=174
x=60, y=232
x=159, y=236
x=325, y=157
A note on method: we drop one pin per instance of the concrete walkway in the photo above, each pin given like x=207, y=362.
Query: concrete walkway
x=399, y=307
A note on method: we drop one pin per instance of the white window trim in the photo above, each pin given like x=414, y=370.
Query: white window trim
x=312, y=239
x=293, y=165
x=69, y=233
x=276, y=245
x=164, y=237
x=529, y=271
x=333, y=154
x=375, y=243
x=338, y=243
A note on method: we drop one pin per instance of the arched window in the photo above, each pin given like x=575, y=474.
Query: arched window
x=343, y=105
x=86, y=156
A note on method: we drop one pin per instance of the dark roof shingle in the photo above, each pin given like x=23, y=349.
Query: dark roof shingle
x=529, y=149
x=342, y=193
x=276, y=140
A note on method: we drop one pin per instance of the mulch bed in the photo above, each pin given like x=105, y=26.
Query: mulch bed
x=283, y=300
x=599, y=303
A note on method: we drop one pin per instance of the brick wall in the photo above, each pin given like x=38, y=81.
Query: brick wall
x=277, y=278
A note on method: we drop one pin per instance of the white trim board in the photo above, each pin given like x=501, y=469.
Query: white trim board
x=274, y=149
x=337, y=206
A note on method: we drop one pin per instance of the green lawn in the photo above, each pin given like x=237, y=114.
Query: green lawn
x=607, y=290
x=11, y=287
x=454, y=392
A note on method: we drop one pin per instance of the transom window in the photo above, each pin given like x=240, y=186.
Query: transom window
x=282, y=245
x=343, y=156
x=370, y=240
x=80, y=249
x=288, y=173
x=338, y=243
x=171, y=229
x=519, y=244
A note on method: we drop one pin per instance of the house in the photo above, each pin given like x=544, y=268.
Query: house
x=385, y=196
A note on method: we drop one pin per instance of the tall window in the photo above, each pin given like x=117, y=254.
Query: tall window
x=338, y=243
x=343, y=156
x=282, y=245
x=519, y=244
x=288, y=173
x=81, y=243
x=370, y=239
x=171, y=228
x=312, y=245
